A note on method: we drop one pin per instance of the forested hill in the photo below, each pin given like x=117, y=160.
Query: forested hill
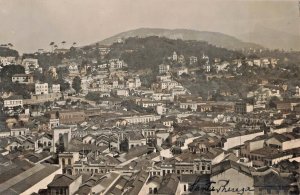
x=4, y=51
x=149, y=52
x=214, y=38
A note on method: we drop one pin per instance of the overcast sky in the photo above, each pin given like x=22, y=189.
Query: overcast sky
x=33, y=24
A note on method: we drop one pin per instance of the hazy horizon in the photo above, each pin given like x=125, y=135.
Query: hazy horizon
x=33, y=24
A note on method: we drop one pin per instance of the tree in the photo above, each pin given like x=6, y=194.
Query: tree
x=76, y=84
x=272, y=101
x=5, y=51
x=8, y=71
x=52, y=45
x=63, y=84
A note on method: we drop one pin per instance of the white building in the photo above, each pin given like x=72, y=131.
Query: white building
x=73, y=69
x=138, y=82
x=7, y=60
x=122, y=92
x=182, y=71
x=141, y=119
x=257, y=62
x=41, y=88
x=240, y=139
x=193, y=60
x=161, y=109
x=163, y=68
x=233, y=176
x=56, y=88
x=116, y=64
x=15, y=132
x=30, y=63
x=13, y=101
x=22, y=78
x=175, y=56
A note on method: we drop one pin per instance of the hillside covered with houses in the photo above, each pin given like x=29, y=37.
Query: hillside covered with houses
x=149, y=115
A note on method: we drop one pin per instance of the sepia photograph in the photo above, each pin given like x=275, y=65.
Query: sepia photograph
x=150, y=97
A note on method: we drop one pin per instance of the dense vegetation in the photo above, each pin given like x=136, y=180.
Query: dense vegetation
x=140, y=53
x=5, y=51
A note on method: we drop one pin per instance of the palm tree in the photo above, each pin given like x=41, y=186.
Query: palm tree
x=74, y=43
x=52, y=44
x=10, y=45
x=63, y=43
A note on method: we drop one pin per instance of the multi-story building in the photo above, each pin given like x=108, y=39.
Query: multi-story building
x=193, y=60
x=22, y=78
x=19, y=131
x=56, y=88
x=139, y=119
x=8, y=60
x=13, y=101
x=174, y=56
x=243, y=108
x=41, y=88
x=30, y=64
x=163, y=68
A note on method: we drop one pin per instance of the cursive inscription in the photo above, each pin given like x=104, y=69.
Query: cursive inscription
x=223, y=186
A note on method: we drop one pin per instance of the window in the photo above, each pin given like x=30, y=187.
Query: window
x=69, y=161
x=155, y=190
x=184, y=188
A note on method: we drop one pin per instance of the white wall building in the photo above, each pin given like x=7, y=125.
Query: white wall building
x=41, y=88
x=13, y=101
x=7, y=60
x=56, y=88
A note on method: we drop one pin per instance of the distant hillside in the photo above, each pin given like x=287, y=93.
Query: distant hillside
x=214, y=38
x=149, y=52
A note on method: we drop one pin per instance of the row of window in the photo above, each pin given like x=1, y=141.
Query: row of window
x=93, y=170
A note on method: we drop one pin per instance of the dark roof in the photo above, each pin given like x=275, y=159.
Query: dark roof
x=84, y=190
x=62, y=180
x=135, y=152
x=120, y=185
x=14, y=97
x=36, y=157
x=27, y=179
x=169, y=184
x=286, y=136
x=271, y=179
x=21, y=75
x=228, y=164
x=14, y=168
x=138, y=182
